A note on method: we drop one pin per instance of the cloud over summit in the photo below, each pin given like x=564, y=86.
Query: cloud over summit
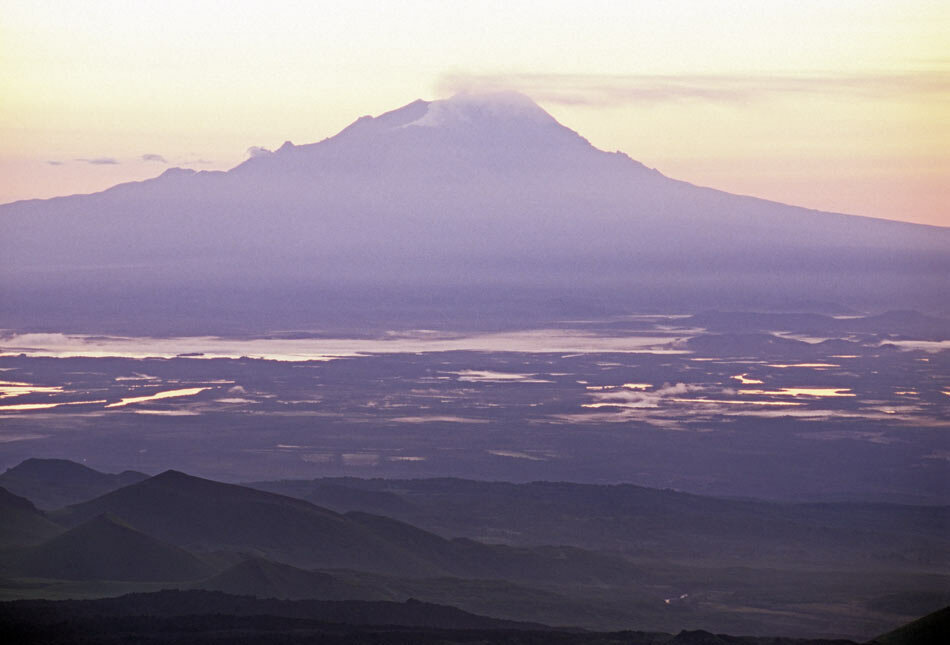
x=619, y=89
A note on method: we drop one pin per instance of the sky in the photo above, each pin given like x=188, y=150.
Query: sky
x=840, y=106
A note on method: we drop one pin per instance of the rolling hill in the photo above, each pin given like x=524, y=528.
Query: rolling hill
x=203, y=515
x=54, y=483
x=105, y=548
x=21, y=523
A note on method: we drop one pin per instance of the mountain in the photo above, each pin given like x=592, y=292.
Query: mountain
x=105, y=548
x=266, y=579
x=931, y=629
x=663, y=560
x=21, y=523
x=54, y=483
x=203, y=515
x=465, y=191
x=197, y=617
x=643, y=522
x=183, y=604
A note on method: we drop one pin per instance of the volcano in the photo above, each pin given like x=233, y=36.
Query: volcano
x=478, y=189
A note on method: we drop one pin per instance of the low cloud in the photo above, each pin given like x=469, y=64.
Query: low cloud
x=99, y=161
x=257, y=151
x=54, y=163
x=620, y=397
x=149, y=156
x=620, y=89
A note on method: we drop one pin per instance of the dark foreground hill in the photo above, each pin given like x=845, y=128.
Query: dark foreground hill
x=932, y=629
x=653, y=559
x=208, y=617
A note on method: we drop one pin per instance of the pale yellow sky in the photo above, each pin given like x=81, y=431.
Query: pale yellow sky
x=840, y=106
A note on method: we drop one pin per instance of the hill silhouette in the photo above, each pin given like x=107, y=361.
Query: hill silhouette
x=641, y=521
x=20, y=521
x=204, y=515
x=54, y=483
x=932, y=629
x=354, y=612
x=105, y=548
x=209, y=617
x=622, y=555
x=265, y=579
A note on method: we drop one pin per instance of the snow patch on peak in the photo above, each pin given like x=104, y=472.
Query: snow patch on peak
x=468, y=108
x=178, y=172
x=258, y=151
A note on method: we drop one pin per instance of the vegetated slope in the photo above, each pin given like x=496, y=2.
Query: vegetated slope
x=204, y=515
x=265, y=579
x=54, y=483
x=21, y=523
x=644, y=522
x=354, y=612
x=696, y=582
x=105, y=548
x=208, y=617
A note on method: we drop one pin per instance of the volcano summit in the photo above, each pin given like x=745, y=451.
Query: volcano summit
x=475, y=190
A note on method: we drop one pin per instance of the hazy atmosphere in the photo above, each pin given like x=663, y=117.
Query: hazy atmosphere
x=725, y=94
x=622, y=324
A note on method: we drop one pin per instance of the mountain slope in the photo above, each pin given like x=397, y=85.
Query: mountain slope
x=21, y=523
x=457, y=191
x=105, y=548
x=54, y=483
x=265, y=579
x=204, y=515
x=931, y=629
x=641, y=521
x=193, y=603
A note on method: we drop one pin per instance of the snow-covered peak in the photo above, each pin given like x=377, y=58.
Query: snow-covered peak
x=467, y=109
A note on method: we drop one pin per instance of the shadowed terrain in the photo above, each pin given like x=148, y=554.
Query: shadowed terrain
x=543, y=552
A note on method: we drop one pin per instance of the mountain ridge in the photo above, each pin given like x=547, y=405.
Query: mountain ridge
x=476, y=194
x=107, y=548
x=53, y=483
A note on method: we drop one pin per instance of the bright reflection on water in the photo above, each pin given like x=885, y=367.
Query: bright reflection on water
x=812, y=365
x=168, y=394
x=925, y=345
x=42, y=406
x=310, y=349
x=745, y=380
x=637, y=386
x=802, y=391
x=10, y=389
x=733, y=402
x=487, y=376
